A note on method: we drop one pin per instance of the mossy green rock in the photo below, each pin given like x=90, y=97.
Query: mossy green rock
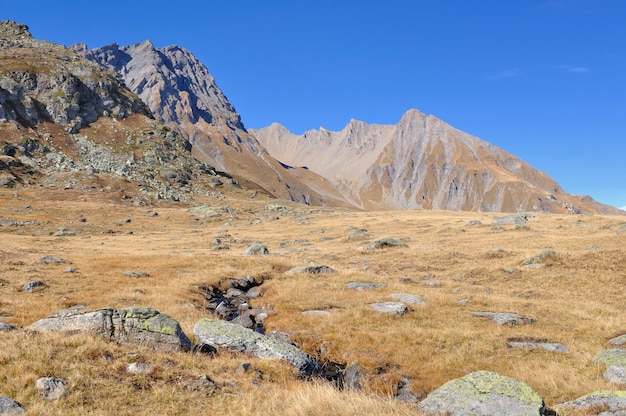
x=132, y=325
x=616, y=357
x=223, y=335
x=483, y=393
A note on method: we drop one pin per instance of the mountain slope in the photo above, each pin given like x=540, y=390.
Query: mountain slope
x=180, y=91
x=422, y=163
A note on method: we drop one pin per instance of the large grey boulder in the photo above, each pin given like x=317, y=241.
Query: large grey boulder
x=51, y=388
x=484, y=393
x=612, y=402
x=8, y=406
x=223, y=335
x=132, y=325
x=391, y=308
x=615, y=362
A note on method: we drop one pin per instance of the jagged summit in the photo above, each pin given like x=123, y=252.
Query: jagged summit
x=421, y=163
x=11, y=29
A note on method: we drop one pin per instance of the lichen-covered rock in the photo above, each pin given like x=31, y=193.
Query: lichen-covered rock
x=615, y=374
x=311, y=270
x=392, y=308
x=612, y=402
x=223, y=335
x=385, y=242
x=8, y=406
x=616, y=357
x=132, y=325
x=484, y=393
x=514, y=219
x=505, y=318
x=256, y=249
x=51, y=388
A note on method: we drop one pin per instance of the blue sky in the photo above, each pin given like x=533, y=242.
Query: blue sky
x=542, y=79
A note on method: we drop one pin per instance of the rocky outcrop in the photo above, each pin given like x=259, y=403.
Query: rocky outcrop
x=42, y=81
x=422, y=163
x=612, y=402
x=227, y=336
x=132, y=325
x=484, y=393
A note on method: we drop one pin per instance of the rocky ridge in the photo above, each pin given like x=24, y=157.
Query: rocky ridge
x=181, y=93
x=422, y=163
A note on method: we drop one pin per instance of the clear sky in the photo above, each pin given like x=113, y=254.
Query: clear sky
x=542, y=79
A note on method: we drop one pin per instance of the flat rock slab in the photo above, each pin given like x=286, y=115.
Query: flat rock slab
x=364, y=285
x=311, y=270
x=616, y=357
x=483, y=393
x=536, y=344
x=8, y=406
x=408, y=298
x=514, y=219
x=132, y=325
x=223, y=335
x=385, y=242
x=393, y=308
x=612, y=402
x=505, y=318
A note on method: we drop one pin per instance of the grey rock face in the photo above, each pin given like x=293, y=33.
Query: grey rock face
x=133, y=325
x=51, y=388
x=31, y=286
x=9, y=406
x=483, y=393
x=615, y=374
x=256, y=249
x=227, y=336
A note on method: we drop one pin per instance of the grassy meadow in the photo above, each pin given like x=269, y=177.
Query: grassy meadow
x=576, y=298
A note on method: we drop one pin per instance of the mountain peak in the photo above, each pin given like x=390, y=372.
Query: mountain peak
x=11, y=29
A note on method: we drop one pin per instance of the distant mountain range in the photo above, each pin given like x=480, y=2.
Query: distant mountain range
x=419, y=163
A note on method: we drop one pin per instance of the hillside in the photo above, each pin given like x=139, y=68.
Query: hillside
x=181, y=93
x=422, y=163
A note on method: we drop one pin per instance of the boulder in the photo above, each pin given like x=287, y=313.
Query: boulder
x=51, y=388
x=256, y=249
x=408, y=298
x=505, y=318
x=612, y=402
x=514, y=219
x=392, y=308
x=4, y=327
x=615, y=362
x=223, y=335
x=484, y=393
x=621, y=229
x=533, y=344
x=8, y=406
x=536, y=259
x=364, y=285
x=385, y=242
x=615, y=374
x=32, y=286
x=132, y=325
x=311, y=270
x=618, y=341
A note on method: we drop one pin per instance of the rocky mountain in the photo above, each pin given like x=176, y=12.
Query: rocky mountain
x=422, y=163
x=68, y=122
x=180, y=92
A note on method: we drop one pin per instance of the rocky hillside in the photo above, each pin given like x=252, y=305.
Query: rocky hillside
x=180, y=92
x=422, y=163
x=68, y=122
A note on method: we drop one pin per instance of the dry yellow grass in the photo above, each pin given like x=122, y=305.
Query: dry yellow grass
x=576, y=299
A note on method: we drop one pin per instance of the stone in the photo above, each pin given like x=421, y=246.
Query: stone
x=52, y=260
x=392, y=308
x=132, y=325
x=352, y=377
x=483, y=393
x=532, y=343
x=608, y=400
x=227, y=336
x=8, y=406
x=505, y=318
x=31, y=286
x=364, y=285
x=4, y=327
x=536, y=259
x=51, y=388
x=256, y=249
x=203, y=211
x=621, y=229
x=403, y=394
x=473, y=223
x=618, y=341
x=615, y=374
x=138, y=368
x=514, y=219
x=408, y=298
x=311, y=270
x=385, y=242
x=130, y=273
x=613, y=357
